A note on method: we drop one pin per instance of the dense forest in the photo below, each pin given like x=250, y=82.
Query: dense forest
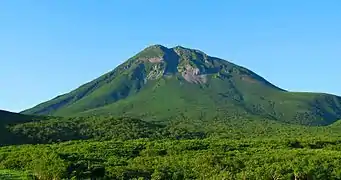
x=211, y=158
x=104, y=147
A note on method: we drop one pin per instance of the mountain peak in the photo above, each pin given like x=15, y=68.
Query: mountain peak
x=160, y=46
x=192, y=65
x=153, y=53
x=179, y=47
x=163, y=82
x=159, y=51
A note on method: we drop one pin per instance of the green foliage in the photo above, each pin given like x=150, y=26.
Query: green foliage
x=10, y=119
x=108, y=128
x=99, y=128
x=99, y=147
x=151, y=51
x=178, y=159
x=15, y=175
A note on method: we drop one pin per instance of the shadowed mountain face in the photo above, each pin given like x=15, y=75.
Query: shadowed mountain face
x=161, y=83
x=10, y=119
x=7, y=118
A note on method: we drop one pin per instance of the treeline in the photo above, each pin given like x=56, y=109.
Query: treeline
x=96, y=128
x=125, y=128
x=178, y=159
x=180, y=148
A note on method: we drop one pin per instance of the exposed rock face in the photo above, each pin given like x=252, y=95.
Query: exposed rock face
x=192, y=75
x=153, y=59
x=193, y=66
x=178, y=61
x=188, y=67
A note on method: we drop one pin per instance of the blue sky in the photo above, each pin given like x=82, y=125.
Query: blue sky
x=48, y=48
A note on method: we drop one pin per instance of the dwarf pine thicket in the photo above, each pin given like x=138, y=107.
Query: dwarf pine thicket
x=125, y=148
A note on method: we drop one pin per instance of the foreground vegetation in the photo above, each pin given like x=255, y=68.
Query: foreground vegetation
x=179, y=148
x=15, y=175
x=179, y=159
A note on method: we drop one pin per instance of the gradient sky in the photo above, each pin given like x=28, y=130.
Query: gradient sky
x=48, y=48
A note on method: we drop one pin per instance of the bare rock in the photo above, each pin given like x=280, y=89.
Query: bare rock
x=153, y=60
x=192, y=75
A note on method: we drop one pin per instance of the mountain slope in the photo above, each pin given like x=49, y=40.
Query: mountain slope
x=8, y=119
x=161, y=83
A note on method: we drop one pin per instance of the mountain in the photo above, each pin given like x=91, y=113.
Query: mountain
x=8, y=119
x=160, y=83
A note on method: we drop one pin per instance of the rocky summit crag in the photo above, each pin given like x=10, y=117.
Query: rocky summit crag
x=161, y=83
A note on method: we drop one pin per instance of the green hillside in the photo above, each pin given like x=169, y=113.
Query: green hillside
x=23, y=129
x=8, y=119
x=33, y=130
x=105, y=147
x=161, y=83
x=15, y=118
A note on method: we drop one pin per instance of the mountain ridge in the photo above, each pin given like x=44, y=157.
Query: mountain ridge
x=188, y=81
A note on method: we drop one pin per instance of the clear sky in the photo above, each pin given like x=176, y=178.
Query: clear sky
x=48, y=48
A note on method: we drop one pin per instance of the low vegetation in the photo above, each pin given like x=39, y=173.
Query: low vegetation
x=182, y=148
x=179, y=159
